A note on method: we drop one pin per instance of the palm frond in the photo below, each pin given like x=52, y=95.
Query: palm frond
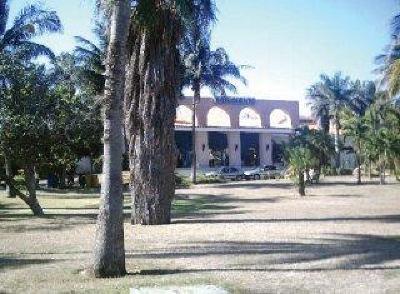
x=28, y=50
x=31, y=22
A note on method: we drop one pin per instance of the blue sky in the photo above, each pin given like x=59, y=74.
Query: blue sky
x=288, y=42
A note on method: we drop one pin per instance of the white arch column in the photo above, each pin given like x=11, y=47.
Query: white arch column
x=234, y=149
x=265, y=142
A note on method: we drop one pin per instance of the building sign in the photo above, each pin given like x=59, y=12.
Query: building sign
x=235, y=100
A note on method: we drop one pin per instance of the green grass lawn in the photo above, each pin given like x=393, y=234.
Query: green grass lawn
x=246, y=237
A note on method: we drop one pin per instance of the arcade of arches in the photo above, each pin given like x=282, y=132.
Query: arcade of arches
x=234, y=131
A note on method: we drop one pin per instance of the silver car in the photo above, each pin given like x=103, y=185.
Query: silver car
x=227, y=173
x=254, y=174
x=267, y=172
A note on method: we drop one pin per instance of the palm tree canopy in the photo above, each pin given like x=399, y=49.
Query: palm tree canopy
x=329, y=96
x=32, y=21
x=363, y=95
x=90, y=63
x=203, y=66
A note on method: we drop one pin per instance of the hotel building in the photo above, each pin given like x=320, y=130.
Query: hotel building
x=236, y=132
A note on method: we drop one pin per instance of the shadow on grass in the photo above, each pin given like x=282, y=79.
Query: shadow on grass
x=10, y=263
x=256, y=185
x=377, y=218
x=351, y=251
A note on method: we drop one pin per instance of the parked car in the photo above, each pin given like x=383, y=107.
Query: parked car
x=227, y=173
x=271, y=172
x=267, y=172
x=254, y=174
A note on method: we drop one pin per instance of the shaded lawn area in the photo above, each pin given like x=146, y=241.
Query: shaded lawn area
x=244, y=237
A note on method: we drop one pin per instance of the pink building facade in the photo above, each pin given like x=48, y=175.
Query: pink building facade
x=237, y=131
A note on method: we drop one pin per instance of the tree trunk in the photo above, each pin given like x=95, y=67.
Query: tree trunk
x=358, y=170
x=337, y=144
x=358, y=158
x=302, y=185
x=381, y=171
x=370, y=168
x=9, y=174
x=196, y=99
x=30, y=183
x=109, y=250
x=397, y=168
x=150, y=106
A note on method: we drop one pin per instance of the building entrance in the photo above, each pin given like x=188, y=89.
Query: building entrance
x=218, y=145
x=250, y=153
x=183, y=141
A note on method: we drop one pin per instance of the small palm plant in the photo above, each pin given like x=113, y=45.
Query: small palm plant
x=300, y=159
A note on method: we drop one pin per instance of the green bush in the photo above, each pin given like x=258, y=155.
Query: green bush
x=181, y=181
x=201, y=179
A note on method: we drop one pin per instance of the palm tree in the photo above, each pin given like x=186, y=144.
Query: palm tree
x=109, y=251
x=16, y=41
x=90, y=60
x=354, y=126
x=318, y=142
x=331, y=95
x=362, y=97
x=205, y=68
x=389, y=61
x=32, y=21
x=153, y=85
x=300, y=159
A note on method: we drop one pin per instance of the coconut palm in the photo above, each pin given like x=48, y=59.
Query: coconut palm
x=318, y=142
x=153, y=85
x=300, y=159
x=90, y=59
x=205, y=68
x=32, y=21
x=109, y=252
x=331, y=95
x=389, y=61
x=355, y=127
x=362, y=97
x=16, y=42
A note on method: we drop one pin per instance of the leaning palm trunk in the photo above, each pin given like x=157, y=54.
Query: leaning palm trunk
x=30, y=182
x=109, y=251
x=196, y=99
x=150, y=105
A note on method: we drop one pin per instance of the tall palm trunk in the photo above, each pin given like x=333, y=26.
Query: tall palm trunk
x=196, y=99
x=337, y=143
x=9, y=174
x=302, y=184
x=358, y=157
x=150, y=104
x=109, y=250
x=381, y=170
